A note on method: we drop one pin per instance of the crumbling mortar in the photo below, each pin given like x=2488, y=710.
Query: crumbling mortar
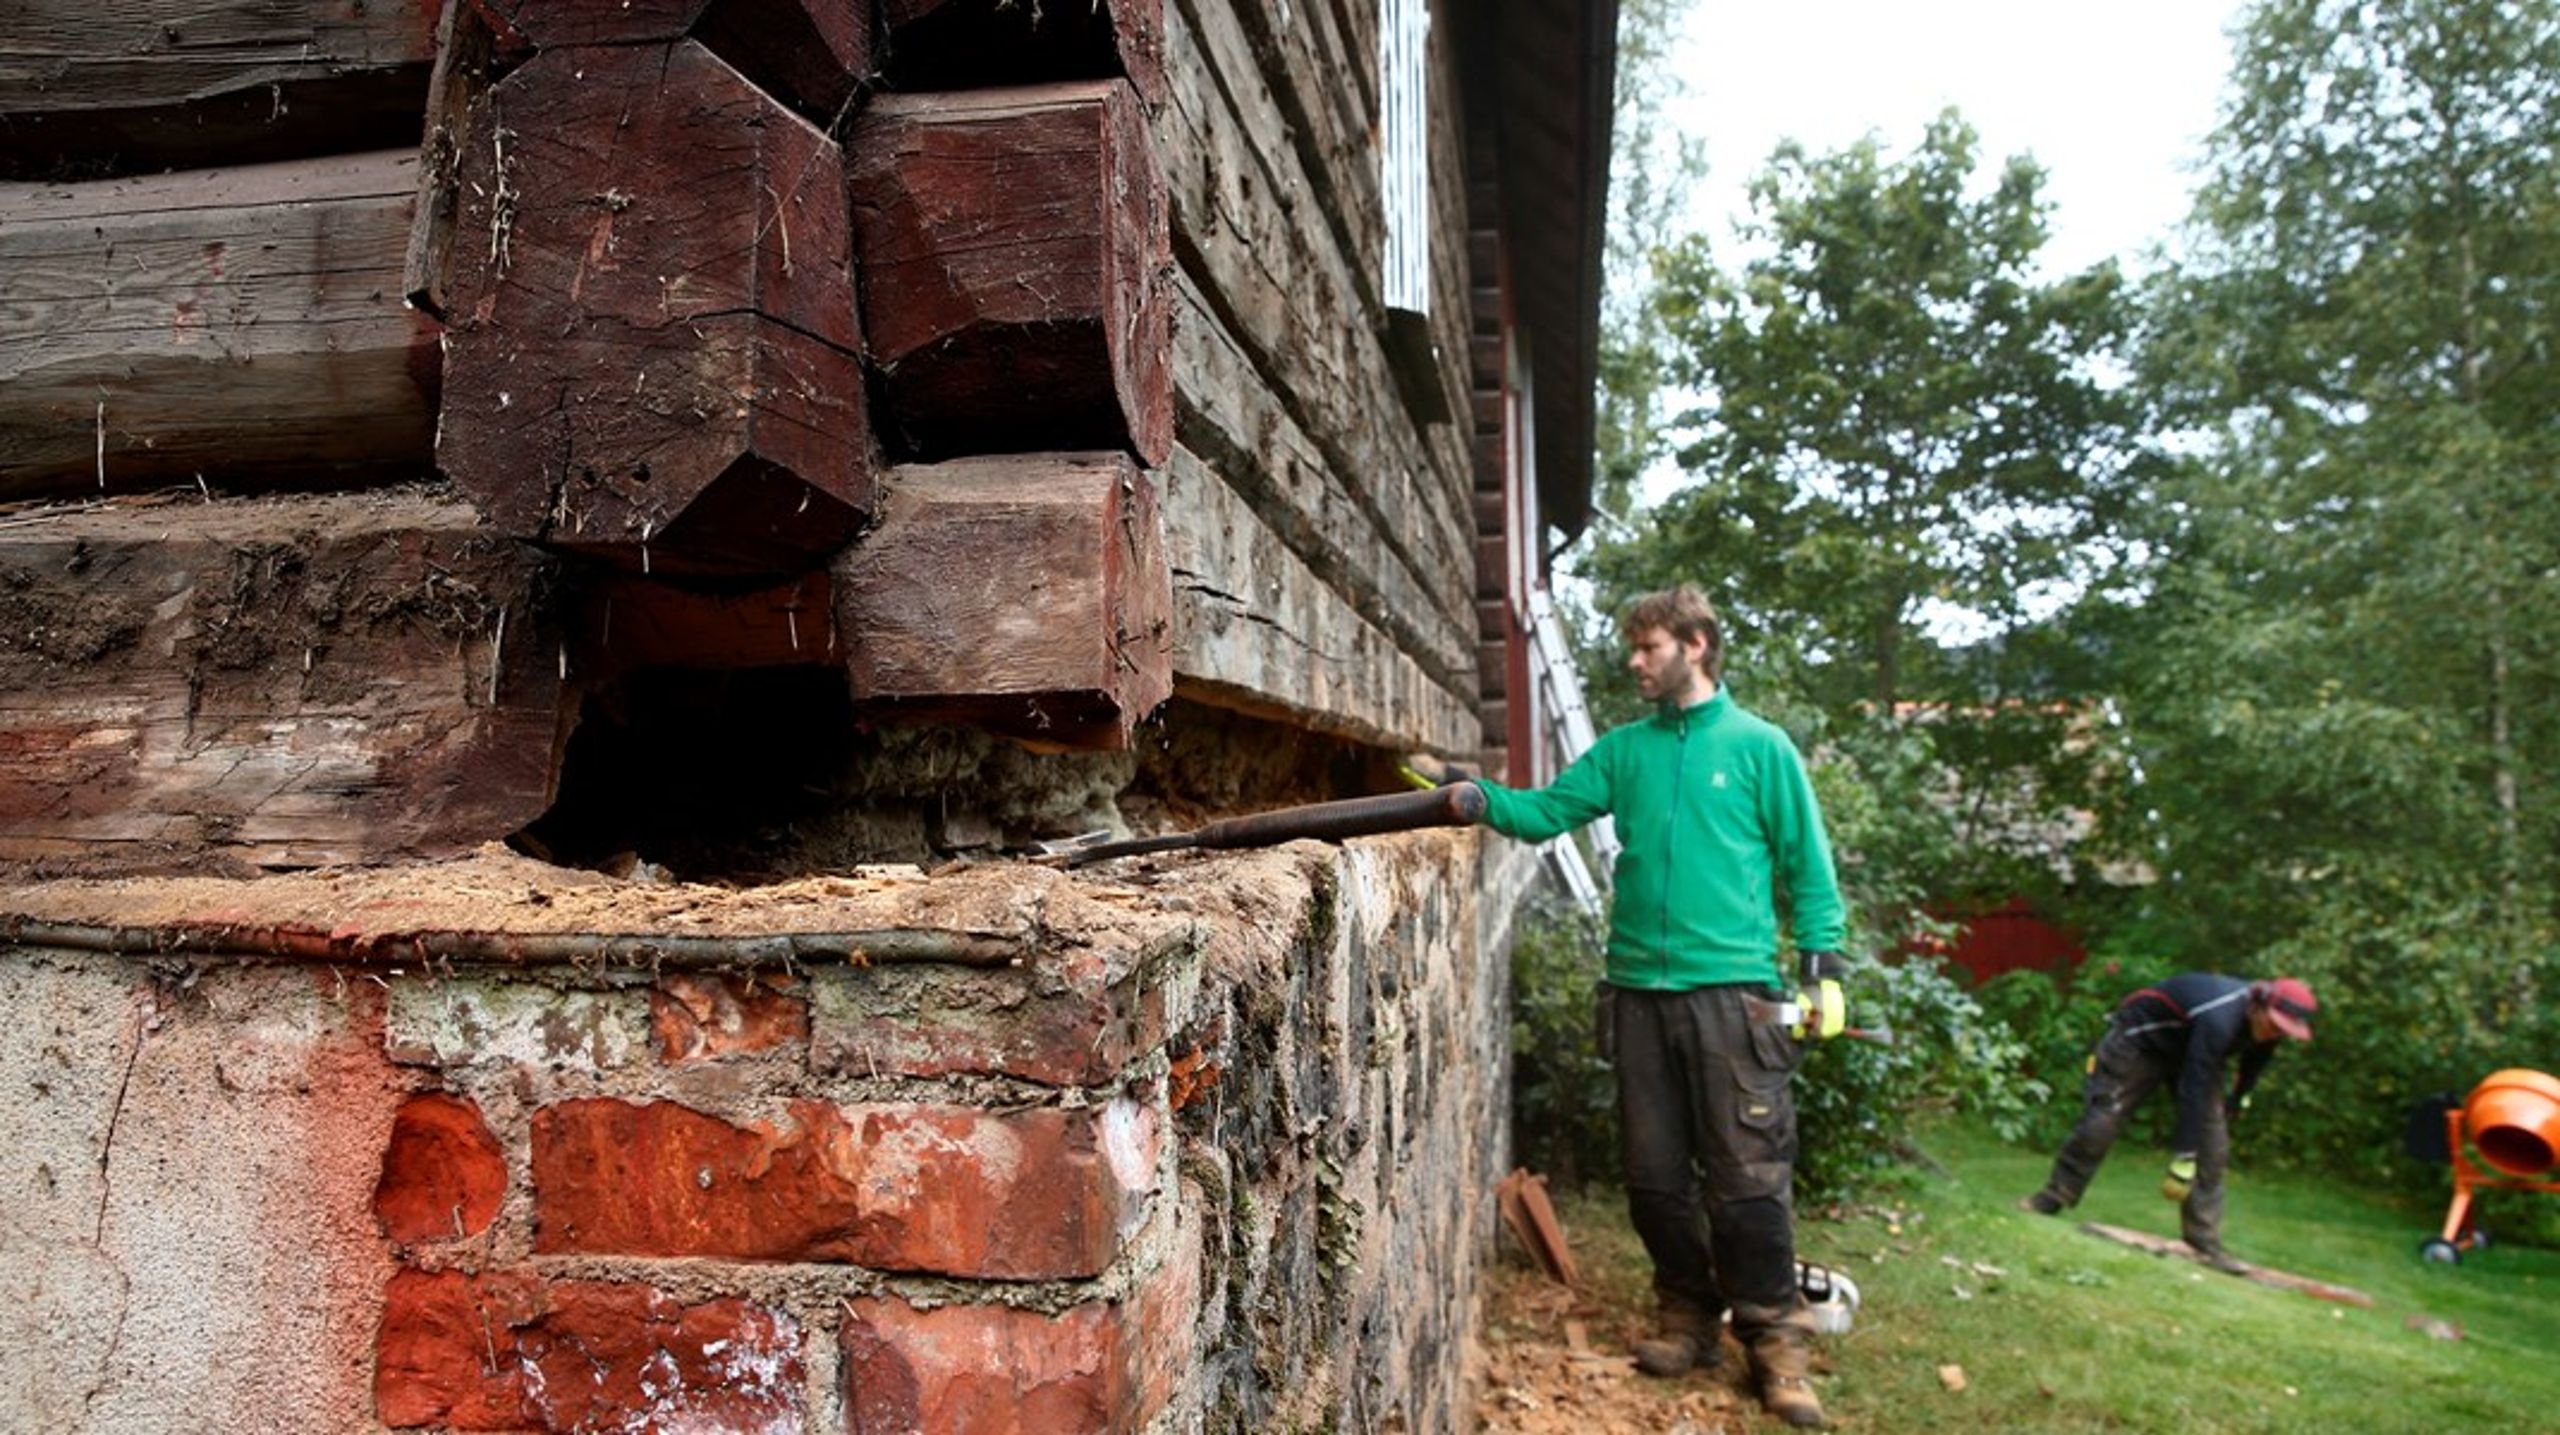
x=761, y=1089
x=814, y=1292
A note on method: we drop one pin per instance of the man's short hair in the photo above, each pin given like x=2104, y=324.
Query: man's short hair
x=1684, y=613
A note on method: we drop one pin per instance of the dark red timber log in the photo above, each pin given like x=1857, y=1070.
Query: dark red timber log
x=810, y=53
x=962, y=44
x=270, y=682
x=89, y=90
x=621, y=623
x=1014, y=257
x=1025, y=593
x=652, y=350
x=239, y=325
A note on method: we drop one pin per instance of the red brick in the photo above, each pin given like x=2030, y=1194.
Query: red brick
x=1194, y=1075
x=446, y=1353
x=1043, y=1194
x=506, y=1351
x=706, y=1017
x=443, y=1175
x=998, y=1370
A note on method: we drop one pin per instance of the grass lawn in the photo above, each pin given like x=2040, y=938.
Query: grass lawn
x=2054, y=1329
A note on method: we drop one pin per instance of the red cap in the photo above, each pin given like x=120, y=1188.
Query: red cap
x=2289, y=1005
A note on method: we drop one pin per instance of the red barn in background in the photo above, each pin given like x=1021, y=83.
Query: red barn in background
x=2013, y=936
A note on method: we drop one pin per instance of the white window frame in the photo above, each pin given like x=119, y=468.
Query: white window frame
x=1404, y=151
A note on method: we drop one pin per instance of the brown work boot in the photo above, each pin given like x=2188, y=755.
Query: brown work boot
x=1684, y=1340
x=2210, y=1252
x=1781, y=1363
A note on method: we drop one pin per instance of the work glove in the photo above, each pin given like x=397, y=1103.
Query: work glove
x=2181, y=1178
x=1426, y=771
x=1825, y=1005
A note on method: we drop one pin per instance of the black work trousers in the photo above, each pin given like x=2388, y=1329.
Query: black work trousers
x=2121, y=1074
x=1710, y=1132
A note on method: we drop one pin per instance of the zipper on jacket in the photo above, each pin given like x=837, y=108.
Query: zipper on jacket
x=1670, y=843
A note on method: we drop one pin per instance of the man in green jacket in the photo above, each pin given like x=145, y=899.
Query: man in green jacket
x=1716, y=817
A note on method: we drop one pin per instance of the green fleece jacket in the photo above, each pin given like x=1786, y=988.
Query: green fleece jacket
x=1714, y=814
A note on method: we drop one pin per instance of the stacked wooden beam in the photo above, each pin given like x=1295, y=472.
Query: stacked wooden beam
x=146, y=85
x=1057, y=647
x=228, y=326
x=1012, y=246
x=280, y=681
x=641, y=245
x=1319, y=538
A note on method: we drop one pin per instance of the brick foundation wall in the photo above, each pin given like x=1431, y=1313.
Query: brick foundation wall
x=1217, y=1153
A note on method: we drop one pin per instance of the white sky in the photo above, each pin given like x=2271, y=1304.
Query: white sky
x=2113, y=98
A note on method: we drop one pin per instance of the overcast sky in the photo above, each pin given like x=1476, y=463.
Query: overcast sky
x=2114, y=99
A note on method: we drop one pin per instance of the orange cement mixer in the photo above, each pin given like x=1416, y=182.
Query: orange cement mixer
x=2513, y=1120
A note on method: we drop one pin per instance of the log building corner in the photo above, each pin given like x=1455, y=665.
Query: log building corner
x=560, y=563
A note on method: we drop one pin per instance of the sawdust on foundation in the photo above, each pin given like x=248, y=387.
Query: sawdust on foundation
x=1251, y=904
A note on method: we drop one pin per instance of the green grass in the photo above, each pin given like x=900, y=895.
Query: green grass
x=2058, y=1330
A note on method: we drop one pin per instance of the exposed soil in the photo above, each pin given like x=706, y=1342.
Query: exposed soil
x=1556, y=1363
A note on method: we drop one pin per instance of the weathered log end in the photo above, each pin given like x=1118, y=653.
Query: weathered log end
x=1014, y=248
x=811, y=53
x=652, y=340
x=808, y=53
x=956, y=44
x=734, y=446
x=271, y=683
x=1026, y=594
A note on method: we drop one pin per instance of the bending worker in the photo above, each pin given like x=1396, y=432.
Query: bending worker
x=1716, y=816
x=2184, y=1029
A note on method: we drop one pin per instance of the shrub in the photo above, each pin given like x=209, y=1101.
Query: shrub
x=1564, y=1106
x=2410, y=1004
x=2408, y=1008
x=1855, y=1100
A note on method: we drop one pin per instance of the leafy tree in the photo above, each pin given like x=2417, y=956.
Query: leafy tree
x=1895, y=408
x=2353, y=644
x=2342, y=678
x=1650, y=169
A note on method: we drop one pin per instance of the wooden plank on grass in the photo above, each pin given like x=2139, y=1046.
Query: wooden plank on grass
x=2262, y=1275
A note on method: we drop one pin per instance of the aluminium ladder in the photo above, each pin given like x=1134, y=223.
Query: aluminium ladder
x=1557, y=699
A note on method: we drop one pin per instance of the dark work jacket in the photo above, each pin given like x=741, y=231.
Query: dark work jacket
x=2197, y=1019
